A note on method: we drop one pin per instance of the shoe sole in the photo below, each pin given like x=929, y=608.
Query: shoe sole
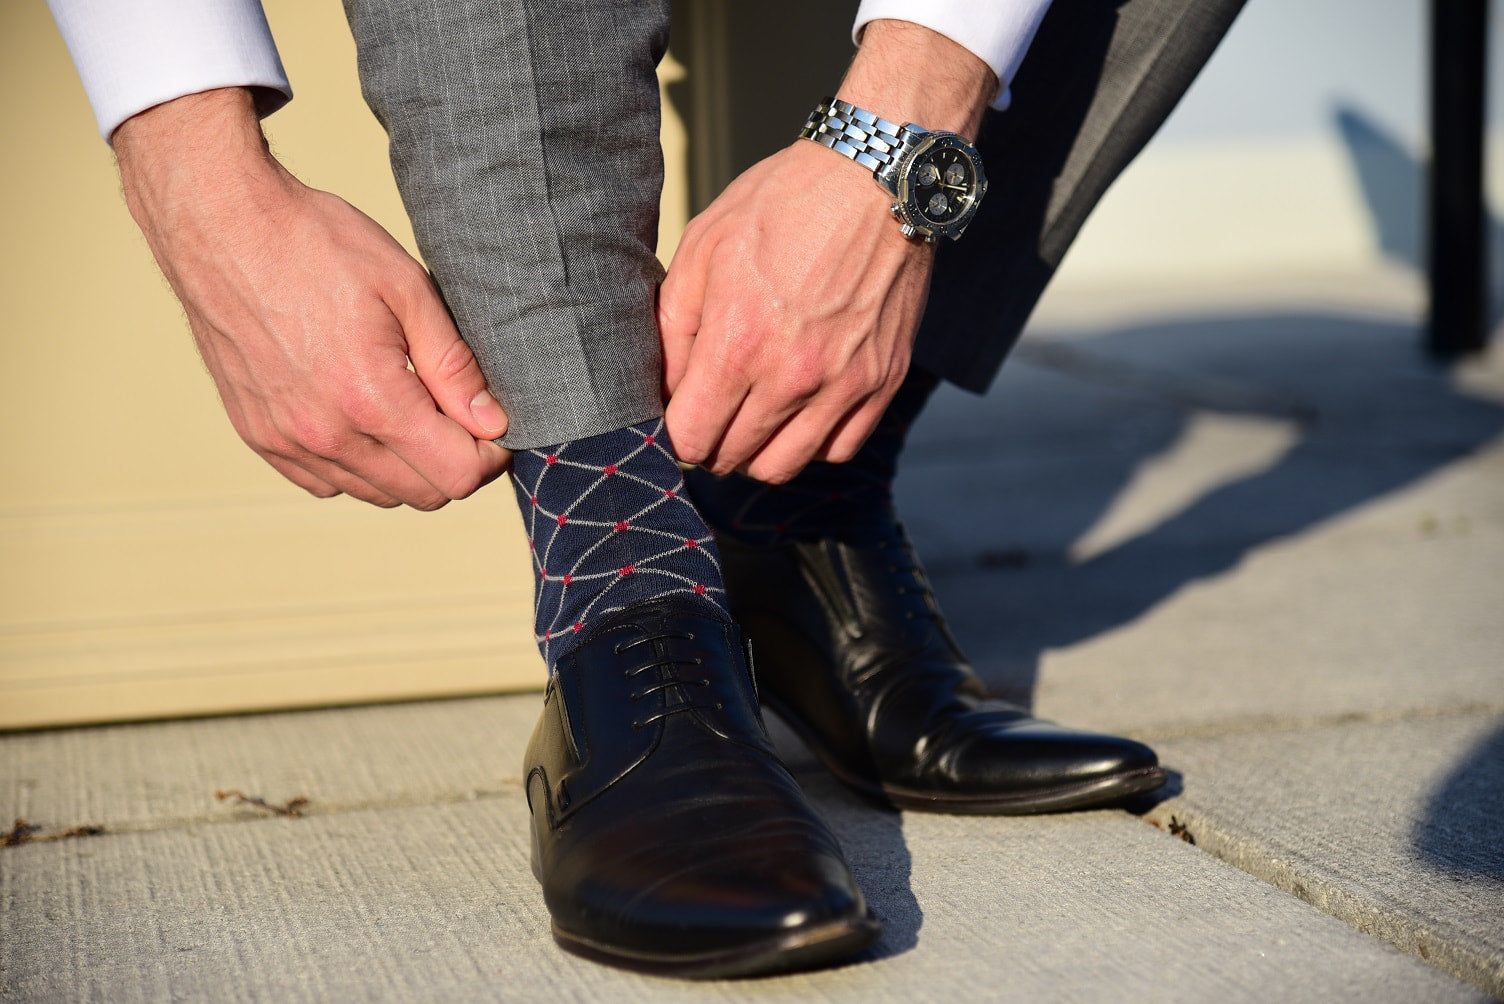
x=808, y=948
x=1098, y=792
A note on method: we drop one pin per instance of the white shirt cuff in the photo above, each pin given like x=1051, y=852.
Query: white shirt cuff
x=132, y=56
x=998, y=32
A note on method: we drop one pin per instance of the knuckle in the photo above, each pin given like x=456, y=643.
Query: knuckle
x=313, y=434
x=463, y=486
x=429, y=503
x=773, y=473
x=363, y=407
x=841, y=453
x=456, y=362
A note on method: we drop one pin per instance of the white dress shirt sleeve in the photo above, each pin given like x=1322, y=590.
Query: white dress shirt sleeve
x=997, y=31
x=133, y=55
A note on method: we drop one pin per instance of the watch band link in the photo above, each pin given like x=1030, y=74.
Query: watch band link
x=856, y=133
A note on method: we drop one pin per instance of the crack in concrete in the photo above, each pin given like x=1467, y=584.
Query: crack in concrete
x=304, y=809
x=1274, y=725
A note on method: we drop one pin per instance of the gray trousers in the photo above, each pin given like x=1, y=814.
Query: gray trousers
x=524, y=138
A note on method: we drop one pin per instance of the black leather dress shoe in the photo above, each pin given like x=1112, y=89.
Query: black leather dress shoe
x=667, y=834
x=853, y=653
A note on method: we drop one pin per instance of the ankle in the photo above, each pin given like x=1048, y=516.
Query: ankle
x=611, y=526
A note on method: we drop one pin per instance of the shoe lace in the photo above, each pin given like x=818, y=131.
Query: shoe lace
x=675, y=674
x=902, y=561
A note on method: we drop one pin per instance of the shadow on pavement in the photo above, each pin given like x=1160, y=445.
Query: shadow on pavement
x=1464, y=821
x=998, y=490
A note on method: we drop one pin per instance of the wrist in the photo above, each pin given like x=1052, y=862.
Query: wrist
x=908, y=73
x=189, y=149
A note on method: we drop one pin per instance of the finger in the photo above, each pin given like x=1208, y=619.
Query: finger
x=445, y=364
x=855, y=428
x=447, y=457
x=336, y=477
x=375, y=472
x=791, y=448
x=681, y=302
x=315, y=486
x=701, y=408
x=755, y=422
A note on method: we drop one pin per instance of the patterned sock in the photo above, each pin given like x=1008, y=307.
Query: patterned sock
x=851, y=501
x=610, y=525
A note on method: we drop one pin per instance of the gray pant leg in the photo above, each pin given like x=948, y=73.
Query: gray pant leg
x=1099, y=80
x=524, y=138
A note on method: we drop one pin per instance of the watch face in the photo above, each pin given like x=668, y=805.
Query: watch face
x=942, y=185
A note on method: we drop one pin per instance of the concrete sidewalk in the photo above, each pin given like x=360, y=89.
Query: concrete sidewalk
x=1268, y=540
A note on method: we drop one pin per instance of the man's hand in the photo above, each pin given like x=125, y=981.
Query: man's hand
x=790, y=308
x=307, y=314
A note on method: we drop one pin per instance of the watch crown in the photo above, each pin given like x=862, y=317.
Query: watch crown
x=908, y=230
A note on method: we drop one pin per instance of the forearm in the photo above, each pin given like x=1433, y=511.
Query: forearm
x=908, y=73
x=195, y=150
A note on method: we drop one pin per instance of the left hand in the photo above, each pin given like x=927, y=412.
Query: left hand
x=787, y=317
x=790, y=309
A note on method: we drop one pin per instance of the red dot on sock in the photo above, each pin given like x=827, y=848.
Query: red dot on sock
x=578, y=625
x=670, y=493
x=543, y=573
x=700, y=588
x=628, y=569
x=620, y=526
x=563, y=519
x=691, y=543
x=535, y=500
x=552, y=458
x=568, y=578
x=609, y=470
x=649, y=440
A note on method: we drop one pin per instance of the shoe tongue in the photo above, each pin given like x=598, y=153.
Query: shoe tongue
x=666, y=614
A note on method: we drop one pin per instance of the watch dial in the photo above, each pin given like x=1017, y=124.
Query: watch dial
x=947, y=183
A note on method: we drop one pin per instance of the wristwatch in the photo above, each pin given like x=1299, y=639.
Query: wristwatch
x=935, y=177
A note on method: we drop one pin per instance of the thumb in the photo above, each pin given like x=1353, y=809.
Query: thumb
x=447, y=367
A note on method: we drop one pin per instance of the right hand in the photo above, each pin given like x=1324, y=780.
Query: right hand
x=307, y=314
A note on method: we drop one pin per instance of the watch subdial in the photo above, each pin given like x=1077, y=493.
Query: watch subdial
x=948, y=182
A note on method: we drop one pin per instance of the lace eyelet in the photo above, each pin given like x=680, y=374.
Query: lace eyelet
x=616, y=649
x=689, y=635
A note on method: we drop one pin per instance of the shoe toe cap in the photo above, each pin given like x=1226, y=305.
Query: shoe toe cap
x=1041, y=766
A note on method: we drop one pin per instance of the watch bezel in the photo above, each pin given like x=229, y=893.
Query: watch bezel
x=907, y=205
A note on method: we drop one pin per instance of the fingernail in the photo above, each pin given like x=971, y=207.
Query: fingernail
x=488, y=413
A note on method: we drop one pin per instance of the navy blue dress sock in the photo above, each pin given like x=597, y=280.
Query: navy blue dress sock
x=610, y=525
x=851, y=502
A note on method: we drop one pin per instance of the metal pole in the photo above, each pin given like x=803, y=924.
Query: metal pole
x=1459, y=292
